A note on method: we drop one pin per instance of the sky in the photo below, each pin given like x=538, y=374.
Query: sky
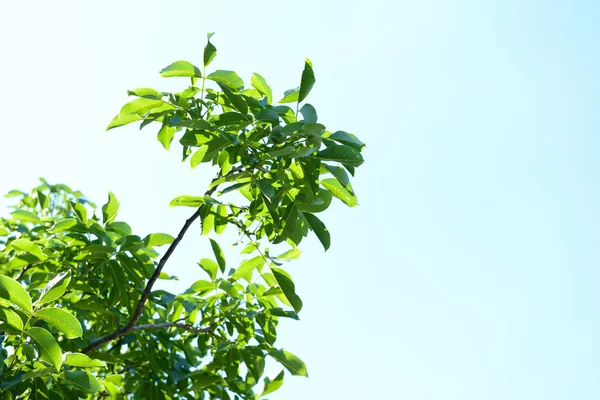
x=468, y=271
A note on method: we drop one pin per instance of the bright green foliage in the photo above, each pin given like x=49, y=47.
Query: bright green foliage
x=79, y=316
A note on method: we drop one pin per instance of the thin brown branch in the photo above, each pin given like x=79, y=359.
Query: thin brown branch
x=131, y=325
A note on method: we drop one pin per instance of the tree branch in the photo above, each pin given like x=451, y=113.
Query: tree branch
x=131, y=325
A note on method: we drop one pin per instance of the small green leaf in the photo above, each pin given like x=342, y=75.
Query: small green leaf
x=228, y=78
x=123, y=119
x=292, y=363
x=261, y=85
x=309, y=113
x=272, y=385
x=210, y=51
x=55, y=288
x=158, y=239
x=201, y=286
x=339, y=191
x=11, y=318
x=25, y=216
x=247, y=267
x=210, y=267
x=147, y=93
x=12, y=291
x=307, y=81
x=319, y=229
x=290, y=254
x=187, y=201
x=284, y=280
x=28, y=247
x=82, y=380
x=218, y=254
x=207, y=219
x=181, y=68
x=347, y=139
x=83, y=361
x=165, y=135
x=221, y=219
x=63, y=225
x=80, y=211
x=47, y=346
x=61, y=320
x=290, y=96
x=342, y=154
x=110, y=209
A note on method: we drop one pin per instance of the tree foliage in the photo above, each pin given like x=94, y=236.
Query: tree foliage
x=79, y=314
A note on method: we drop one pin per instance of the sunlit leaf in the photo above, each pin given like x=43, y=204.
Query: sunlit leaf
x=292, y=363
x=47, y=346
x=12, y=291
x=61, y=320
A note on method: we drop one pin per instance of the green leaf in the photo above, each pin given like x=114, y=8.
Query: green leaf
x=210, y=267
x=319, y=229
x=158, y=239
x=63, y=225
x=122, y=228
x=61, y=320
x=14, y=193
x=82, y=380
x=80, y=211
x=181, y=68
x=210, y=51
x=339, y=191
x=201, y=286
x=12, y=291
x=83, y=361
x=25, y=216
x=290, y=96
x=284, y=280
x=265, y=186
x=28, y=247
x=290, y=254
x=123, y=119
x=207, y=219
x=11, y=318
x=347, y=139
x=221, y=219
x=187, y=201
x=309, y=113
x=228, y=78
x=261, y=85
x=147, y=93
x=237, y=101
x=47, y=346
x=340, y=175
x=342, y=154
x=110, y=209
x=208, y=151
x=290, y=217
x=55, y=288
x=218, y=254
x=272, y=385
x=165, y=135
x=307, y=81
x=247, y=267
x=321, y=203
x=292, y=363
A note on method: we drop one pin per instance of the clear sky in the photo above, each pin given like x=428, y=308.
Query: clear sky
x=469, y=271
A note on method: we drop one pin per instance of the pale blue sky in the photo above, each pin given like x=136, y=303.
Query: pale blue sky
x=470, y=269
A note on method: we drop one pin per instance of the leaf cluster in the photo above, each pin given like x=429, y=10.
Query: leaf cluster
x=79, y=316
